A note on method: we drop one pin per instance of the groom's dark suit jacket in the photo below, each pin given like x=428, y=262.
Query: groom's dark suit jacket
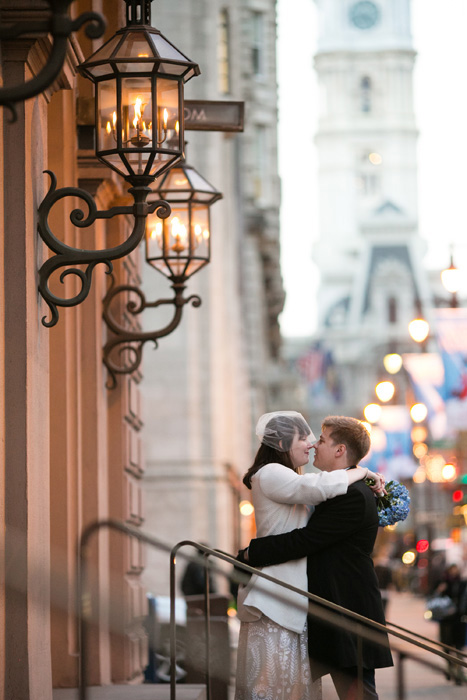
x=338, y=541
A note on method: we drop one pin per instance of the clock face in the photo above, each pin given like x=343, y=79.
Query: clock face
x=364, y=14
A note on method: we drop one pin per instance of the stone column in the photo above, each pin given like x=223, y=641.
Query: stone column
x=27, y=648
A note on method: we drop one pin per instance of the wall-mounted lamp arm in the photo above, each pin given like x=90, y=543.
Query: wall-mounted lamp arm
x=60, y=26
x=130, y=343
x=66, y=256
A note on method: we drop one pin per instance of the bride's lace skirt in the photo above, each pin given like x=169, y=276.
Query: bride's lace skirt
x=272, y=664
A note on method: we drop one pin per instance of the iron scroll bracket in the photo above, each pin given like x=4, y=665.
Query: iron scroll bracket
x=123, y=350
x=60, y=26
x=68, y=257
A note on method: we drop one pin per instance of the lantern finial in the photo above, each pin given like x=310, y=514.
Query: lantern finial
x=138, y=13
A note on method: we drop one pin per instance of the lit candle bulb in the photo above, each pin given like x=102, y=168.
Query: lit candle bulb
x=111, y=127
x=179, y=235
x=198, y=232
x=138, y=112
x=156, y=233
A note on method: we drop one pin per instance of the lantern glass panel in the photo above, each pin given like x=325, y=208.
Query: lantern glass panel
x=137, y=125
x=199, y=183
x=107, y=115
x=172, y=69
x=194, y=265
x=154, y=238
x=103, y=54
x=165, y=49
x=103, y=69
x=176, y=185
x=137, y=112
x=200, y=231
x=168, y=114
x=134, y=46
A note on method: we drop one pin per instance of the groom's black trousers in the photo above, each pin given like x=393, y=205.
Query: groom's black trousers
x=346, y=684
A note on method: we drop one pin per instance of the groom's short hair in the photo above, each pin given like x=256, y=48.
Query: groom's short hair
x=351, y=433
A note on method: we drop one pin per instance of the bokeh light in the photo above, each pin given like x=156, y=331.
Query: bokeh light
x=372, y=412
x=449, y=472
x=392, y=362
x=434, y=464
x=418, y=412
x=408, y=558
x=385, y=391
x=375, y=158
x=422, y=546
x=419, y=476
x=419, y=433
x=419, y=329
x=451, y=278
x=246, y=508
x=379, y=440
x=420, y=449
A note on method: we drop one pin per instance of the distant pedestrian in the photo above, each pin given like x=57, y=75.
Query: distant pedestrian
x=383, y=573
x=452, y=630
x=194, y=577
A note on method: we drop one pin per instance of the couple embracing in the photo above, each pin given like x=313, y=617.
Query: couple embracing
x=315, y=532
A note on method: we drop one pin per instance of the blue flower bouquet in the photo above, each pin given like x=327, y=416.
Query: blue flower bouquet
x=393, y=506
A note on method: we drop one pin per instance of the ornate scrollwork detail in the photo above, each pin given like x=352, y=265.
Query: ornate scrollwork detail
x=60, y=26
x=123, y=350
x=68, y=257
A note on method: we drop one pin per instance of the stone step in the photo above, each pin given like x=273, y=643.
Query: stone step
x=149, y=691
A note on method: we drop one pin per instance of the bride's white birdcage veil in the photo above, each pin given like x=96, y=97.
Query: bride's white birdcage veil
x=278, y=428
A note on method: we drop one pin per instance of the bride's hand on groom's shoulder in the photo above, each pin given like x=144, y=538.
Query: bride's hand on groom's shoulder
x=376, y=482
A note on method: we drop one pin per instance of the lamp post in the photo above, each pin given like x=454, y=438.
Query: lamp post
x=139, y=78
x=450, y=278
x=177, y=246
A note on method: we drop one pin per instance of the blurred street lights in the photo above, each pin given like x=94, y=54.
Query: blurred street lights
x=385, y=391
x=418, y=412
x=419, y=330
x=450, y=277
x=392, y=362
x=372, y=412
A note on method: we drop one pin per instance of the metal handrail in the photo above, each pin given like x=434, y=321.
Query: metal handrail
x=322, y=609
x=359, y=625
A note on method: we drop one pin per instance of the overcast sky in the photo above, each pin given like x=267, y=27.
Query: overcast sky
x=439, y=31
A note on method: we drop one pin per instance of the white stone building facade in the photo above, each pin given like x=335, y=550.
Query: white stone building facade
x=369, y=252
x=206, y=383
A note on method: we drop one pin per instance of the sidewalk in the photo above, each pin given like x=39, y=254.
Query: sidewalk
x=421, y=681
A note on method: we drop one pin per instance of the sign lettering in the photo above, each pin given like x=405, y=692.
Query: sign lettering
x=207, y=115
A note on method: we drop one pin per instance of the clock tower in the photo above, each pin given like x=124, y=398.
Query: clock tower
x=368, y=252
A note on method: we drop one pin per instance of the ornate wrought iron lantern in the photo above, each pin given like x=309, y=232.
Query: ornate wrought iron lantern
x=178, y=246
x=139, y=77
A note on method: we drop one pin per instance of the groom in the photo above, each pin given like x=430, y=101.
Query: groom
x=338, y=541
